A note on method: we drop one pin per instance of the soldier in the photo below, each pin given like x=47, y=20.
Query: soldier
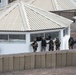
x=43, y=44
x=57, y=43
x=71, y=43
x=34, y=45
x=51, y=45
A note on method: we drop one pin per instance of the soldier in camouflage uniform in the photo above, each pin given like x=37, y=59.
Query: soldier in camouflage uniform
x=34, y=45
x=51, y=45
x=43, y=44
x=57, y=43
x=71, y=43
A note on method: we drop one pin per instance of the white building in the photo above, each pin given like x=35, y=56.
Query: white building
x=20, y=23
x=3, y=3
x=54, y=5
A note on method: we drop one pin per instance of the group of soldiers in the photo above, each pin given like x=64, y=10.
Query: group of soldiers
x=51, y=44
x=44, y=44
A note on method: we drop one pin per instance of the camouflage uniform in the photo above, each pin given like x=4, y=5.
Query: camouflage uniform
x=51, y=45
x=43, y=44
x=57, y=43
x=71, y=43
x=34, y=45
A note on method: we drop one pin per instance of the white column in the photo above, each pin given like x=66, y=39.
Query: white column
x=61, y=39
x=28, y=42
x=4, y=3
x=69, y=30
x=0, y=5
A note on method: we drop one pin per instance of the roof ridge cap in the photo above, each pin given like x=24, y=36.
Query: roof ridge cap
x=24, y=15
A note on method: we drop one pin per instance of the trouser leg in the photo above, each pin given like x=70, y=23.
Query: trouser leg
x=71, y=47
x=44, y=48
x=41, y=49
x=52, y=48
x=56, y=47
x=49, y=48
x=35, y=49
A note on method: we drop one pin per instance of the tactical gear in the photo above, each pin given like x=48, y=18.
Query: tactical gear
x=71, y=43
x=34, y=45
x=43, y=44
x=51, y=45
x=57, y=43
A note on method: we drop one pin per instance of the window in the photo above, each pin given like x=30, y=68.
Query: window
x=48, y=36
x=0, y=1
x=12, y=37
x=38, y=37
x=65, y=31
x=3, y=37
x=16, y=37
x=51, y=35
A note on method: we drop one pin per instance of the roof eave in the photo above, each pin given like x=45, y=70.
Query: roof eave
x=30, y=30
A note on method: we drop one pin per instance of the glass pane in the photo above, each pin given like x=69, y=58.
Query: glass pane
x=48, y=36
x=65, y=31
x=3, y=37
x=38, y=37
x=51, y=35
x=16, y=36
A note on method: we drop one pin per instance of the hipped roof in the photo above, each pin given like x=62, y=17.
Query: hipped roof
x=53, y=5
x=24, y=17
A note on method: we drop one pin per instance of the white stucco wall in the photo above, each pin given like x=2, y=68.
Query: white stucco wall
x=25, y=47
x=11, y=48
x=65, y=40
x=0, y=5
x=14, y=47
x=3, y=3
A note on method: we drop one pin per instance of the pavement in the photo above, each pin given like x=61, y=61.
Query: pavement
x=49, y=71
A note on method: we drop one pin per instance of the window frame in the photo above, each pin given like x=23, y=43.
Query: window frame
x=15, y=39
x=32, y=39
x=65, y=31
x=44, y=35
x=2, y=38
x=51, y=35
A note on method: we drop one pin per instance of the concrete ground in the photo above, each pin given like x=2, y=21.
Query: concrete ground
x=49, y=71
